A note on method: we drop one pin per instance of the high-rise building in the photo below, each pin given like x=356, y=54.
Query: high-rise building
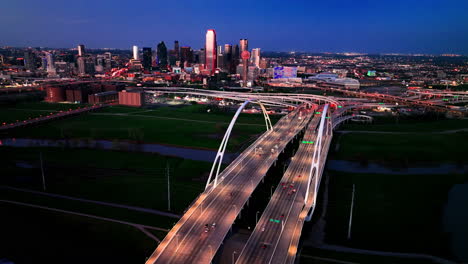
x=255, y=57
x=244, y=45
x=186, y=56
x=210, y=51
x=161, y=55
x=228, y=58
x=236, y=53
x=81, y=66
x=136, y=56
x=264, y=63
x=81, y=50
x=29, y=60
x=147, y=58
x=50, y=63
x=220, y=57
x=176, y=50
x=235, y=58
x=202, y=59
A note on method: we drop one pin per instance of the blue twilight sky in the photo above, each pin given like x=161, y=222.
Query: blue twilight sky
x=406, y=26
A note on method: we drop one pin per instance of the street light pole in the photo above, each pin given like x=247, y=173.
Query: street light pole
x=233, y=253
x=351, y=214
x=42, y=172
x=168, y=189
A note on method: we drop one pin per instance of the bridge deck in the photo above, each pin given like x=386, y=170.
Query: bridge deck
x=188, y=242
x=276, y=236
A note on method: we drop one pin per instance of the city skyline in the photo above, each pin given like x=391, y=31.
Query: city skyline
x=337, y=26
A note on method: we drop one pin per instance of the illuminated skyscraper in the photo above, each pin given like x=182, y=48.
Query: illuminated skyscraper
x=220, y=60
x=50, y=63
x=210, y=51
x=255, y=57
x=147, y=58
x=81, y=50
x=81, y=66
x=135, y=53
x=244, y=45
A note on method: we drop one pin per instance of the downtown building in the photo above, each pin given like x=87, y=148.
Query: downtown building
x=210, y=52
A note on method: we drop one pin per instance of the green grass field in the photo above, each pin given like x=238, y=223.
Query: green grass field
x=135, y=179
x=189, y=126
x=31, y=235
x=390, y=124
x=322, y=256
x=402, y=149
x=24, y=111
x=401, y=213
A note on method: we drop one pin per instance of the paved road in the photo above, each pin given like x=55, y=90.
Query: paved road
x=276, y=236
x=188, y=242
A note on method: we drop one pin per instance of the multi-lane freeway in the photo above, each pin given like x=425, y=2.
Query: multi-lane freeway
x=276, y=236
x=203, y=227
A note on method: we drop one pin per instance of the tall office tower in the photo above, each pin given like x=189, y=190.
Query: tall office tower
x=255, y=58
x=210, y=51
x=161, y=55
x=81, y=66
x=202, y=57
x=147, y=58
x=235, y=52
x=50, y=63
x=177, y=50
x=29, y=60
x=186, y=56
x=220, y=57
x=136, y=56
x=228, y=57
x=244, y=45
x=81, y=50
x=235, y=58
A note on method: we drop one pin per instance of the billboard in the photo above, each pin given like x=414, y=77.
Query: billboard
x=285, y=72
x=371, y=73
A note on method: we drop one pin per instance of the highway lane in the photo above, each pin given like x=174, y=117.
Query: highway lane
x=187, y=242
x=205, y=248
x=276, y=242
x=284, y=206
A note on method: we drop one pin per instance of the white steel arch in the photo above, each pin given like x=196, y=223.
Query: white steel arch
x=339, y=120
x=222, y=148
x=315, y=168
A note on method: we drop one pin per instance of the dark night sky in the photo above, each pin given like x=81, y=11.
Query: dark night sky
x=405, y=26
